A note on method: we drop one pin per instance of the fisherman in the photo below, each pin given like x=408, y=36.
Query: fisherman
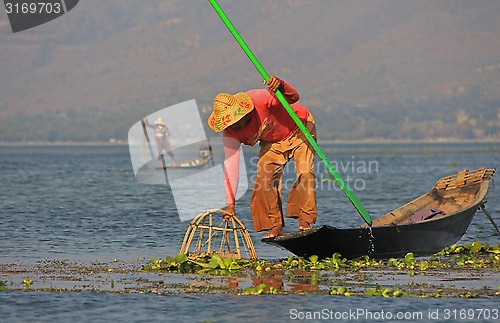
x=162, y=138
x=257, y=115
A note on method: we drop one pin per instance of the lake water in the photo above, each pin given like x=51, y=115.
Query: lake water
x=84, y=203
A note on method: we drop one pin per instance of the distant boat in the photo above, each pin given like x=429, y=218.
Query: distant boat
x=450, y=205
x=204, y=157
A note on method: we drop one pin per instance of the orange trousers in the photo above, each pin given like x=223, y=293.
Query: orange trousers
x=266, y=201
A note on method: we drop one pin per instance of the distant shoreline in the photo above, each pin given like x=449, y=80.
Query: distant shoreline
x=321, y=142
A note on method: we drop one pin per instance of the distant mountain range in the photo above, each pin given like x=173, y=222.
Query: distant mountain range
x=378, y=69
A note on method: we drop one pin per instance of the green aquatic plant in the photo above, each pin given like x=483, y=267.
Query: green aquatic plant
x=475, y=254
x=363, y=262
x=213, y=264
x=342, y=291
x=27, y=283
x=217, y=265
x=260, y=289
x=381, y=291
x=314, y=263
x=179, y=263
x=291, y=262
x=336, y=261
x=467, y=294
x=3, y=285
x=470, y=248
x=384, y=292
x=408, y=262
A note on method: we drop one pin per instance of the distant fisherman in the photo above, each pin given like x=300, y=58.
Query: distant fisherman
x=257, y=115
x=162, y=138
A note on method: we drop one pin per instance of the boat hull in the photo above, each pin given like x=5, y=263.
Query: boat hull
x=423, y=238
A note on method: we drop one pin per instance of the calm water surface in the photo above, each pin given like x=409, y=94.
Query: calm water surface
x=84, y=203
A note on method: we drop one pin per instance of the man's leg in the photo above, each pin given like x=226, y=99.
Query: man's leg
x=266, y=204
x=168, y=149
x=302, y=196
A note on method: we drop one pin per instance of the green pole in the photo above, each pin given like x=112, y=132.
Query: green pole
x=354, y=200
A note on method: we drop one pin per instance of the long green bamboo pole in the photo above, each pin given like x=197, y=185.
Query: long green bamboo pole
x=354, y=200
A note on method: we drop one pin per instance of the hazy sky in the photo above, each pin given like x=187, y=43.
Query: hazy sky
x=122, y=54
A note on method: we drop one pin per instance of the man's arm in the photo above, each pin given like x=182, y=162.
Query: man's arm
x=231, y=171
x=289, y=92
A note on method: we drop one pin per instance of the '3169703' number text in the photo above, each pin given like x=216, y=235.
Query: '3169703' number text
x=33, y=8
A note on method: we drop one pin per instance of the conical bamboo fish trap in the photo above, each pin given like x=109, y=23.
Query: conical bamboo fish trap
x=227, y=239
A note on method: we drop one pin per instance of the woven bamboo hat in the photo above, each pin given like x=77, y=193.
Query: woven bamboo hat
x=159, y=121
x=229, y=109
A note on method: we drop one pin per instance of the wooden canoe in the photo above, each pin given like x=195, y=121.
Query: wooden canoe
x=204, y=157
x=395, y=234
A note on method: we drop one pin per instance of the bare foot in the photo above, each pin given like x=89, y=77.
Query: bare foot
x=303, y=226
x=275, y=232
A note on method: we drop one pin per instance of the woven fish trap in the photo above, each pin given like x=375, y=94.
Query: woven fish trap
x=210, y=233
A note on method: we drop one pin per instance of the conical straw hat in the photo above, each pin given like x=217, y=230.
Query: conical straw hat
x=229, y=109
x=160, y=121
